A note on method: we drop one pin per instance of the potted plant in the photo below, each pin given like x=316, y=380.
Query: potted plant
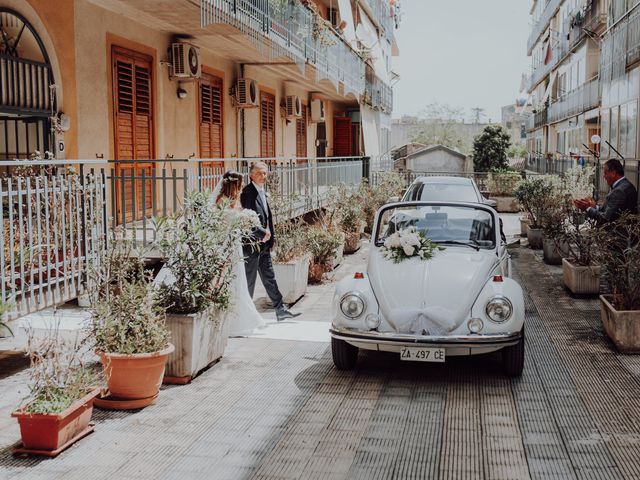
x=129, y=330
x=531, y=194
x=618, y=254
x=347, y=213
x=325, y=246
x=289, y=253
x=524, y=225
x=579, y=272
x=501, y=184
x=552, y=220
x=199, y=248
x=62, y=389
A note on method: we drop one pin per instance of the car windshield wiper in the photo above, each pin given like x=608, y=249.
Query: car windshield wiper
x=474, y=245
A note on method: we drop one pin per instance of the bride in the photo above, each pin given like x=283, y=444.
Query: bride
x=243, y=316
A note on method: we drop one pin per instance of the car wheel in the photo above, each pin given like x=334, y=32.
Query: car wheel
x=344, y=354
x=513, y=358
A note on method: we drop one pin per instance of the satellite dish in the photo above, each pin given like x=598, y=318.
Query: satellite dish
x=595, y=139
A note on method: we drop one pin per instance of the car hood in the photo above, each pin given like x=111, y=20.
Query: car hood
x=434, y=296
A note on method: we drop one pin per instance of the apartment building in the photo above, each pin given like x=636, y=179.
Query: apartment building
x=564, y=46
x=149, y=80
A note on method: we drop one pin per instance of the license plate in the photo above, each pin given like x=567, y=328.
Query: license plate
x=421, y=354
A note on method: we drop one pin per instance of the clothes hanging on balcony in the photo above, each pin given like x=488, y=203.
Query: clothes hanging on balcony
x=346, y=15
x=370, y=131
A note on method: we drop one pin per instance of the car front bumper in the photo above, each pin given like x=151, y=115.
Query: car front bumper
x=453, y=344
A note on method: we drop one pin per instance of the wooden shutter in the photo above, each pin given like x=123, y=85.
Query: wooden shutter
x=301, y=136
x=341, y=137
x=211, y=128
x=133, y=130
x=267, y=125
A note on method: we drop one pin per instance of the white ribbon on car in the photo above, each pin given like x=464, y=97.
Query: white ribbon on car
x=433, y=320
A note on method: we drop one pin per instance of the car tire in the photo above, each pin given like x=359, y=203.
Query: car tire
x=513, y=358
x=344, y=354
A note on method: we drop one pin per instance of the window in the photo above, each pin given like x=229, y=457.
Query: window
x=613, y=137
x=211, y=134
x=605, y=125
x=632, y=130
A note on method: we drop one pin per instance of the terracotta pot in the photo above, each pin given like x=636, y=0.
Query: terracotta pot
x=316, y=271
x=137, y=375
x=534, y=236
x=53, y=431
x=581, y=280
x=351, y=242
x=622, y=327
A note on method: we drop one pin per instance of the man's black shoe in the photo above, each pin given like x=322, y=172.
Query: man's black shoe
x=284, y=313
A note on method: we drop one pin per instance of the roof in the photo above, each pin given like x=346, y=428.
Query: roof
x=444, y=179
x=433, y=148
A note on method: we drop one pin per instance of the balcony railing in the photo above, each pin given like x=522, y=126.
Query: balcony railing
x=540, y=118
x=580, y=100
x=289, y=29
x=620, y=48
x=378, y=94
x=539, y=27
x=56, y=225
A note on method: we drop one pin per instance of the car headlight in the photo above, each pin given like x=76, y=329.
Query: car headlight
x=499, y=309
x=352, y=305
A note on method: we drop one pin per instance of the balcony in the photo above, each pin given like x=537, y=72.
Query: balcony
x=291, y=30
x=539, y=27
x=378, y=95
x=580, y=100
x=380, y=12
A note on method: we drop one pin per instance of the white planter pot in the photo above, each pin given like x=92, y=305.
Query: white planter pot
x=200, y=340
x=524, y=226
x=622, y=327
x=292, y=278
x=581, y=280
x=338, y=258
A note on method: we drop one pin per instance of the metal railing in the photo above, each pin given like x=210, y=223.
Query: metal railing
x=56, y=223
x=580, y=100
x=540, y=26
x=25, y=85
x=381, y=11
x=378, y=94
x=290, y=29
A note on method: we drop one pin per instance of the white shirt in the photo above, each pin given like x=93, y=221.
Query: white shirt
x=261, y=192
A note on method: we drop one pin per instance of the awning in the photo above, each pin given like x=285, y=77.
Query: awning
x=368, y=36
x=370, y=132
x=346, y=15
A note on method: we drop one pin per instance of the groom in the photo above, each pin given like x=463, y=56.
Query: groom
x=259, y=260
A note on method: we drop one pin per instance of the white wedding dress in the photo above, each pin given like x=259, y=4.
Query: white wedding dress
x=242, y=316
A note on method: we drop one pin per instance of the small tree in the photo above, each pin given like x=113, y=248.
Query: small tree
x=490, y=149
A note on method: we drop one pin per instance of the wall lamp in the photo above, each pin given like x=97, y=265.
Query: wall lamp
x=181, y=92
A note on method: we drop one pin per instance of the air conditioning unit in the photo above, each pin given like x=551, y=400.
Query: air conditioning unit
x=185, y=60
x=246, y=93
x=293, y=106
x=317, y=111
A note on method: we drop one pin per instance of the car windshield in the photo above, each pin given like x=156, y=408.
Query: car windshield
x=440, y=223
x=441, y=192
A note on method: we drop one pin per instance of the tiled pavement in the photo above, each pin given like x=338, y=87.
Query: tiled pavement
x=277, y=409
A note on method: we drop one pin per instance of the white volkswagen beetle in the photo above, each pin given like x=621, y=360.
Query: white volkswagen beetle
x=459, y=302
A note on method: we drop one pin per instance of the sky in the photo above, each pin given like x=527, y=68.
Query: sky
x=465, y=53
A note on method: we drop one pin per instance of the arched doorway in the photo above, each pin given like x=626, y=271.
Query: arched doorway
x=27, y=99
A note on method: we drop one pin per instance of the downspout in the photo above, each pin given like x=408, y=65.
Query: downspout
x=242, y=143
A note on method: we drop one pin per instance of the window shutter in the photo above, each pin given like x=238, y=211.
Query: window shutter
x=301, y=134
x=211, y=128
x=267, y=125
x=342, y=137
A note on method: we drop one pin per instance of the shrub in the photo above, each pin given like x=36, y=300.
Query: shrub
x=503, y=182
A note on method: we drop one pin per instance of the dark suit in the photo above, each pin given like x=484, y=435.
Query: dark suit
x=622, y=198
x=259, y=260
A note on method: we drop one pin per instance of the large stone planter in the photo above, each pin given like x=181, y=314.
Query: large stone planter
x=506, y=204
x=534, y=237
x=292, y=278
x=581, y=280
x=524, y=226
x=552, y=253
x=622, y=327
x=199, y=339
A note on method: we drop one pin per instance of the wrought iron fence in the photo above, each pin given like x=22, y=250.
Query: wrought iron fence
x=56, y=222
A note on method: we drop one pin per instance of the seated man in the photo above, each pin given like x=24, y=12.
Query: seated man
x=622, y=197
